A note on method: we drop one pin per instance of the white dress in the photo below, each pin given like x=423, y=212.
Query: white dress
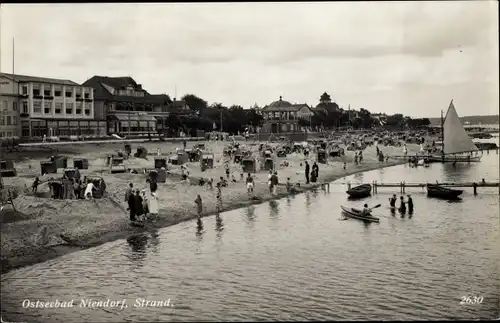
x=153, y=204
x=89, y=188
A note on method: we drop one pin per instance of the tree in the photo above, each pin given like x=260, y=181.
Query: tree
x=395, y=121
x=254, y=118
x=195, y=103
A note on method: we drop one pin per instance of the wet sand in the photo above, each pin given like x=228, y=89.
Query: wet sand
x=47, y=228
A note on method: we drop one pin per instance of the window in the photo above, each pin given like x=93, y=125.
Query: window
x=69, y=108
x=36, y=92
x=2, y=121
x=14, y=121
x=25, y=107
x=2, y=134
x=9, y=121
x=4, y=106
x=24, y=89
x=69, y=93
x=46, y=92
x=78, y=108
x=14, y=106
x=47, y=107
x=87, y=95
x=87, y=109
x=78, y=93
x=37, y=107
x=59, y=107
x=58, y=93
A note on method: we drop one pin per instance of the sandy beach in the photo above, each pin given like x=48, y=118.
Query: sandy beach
x=33, y=234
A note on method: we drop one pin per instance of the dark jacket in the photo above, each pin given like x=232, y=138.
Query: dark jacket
x=131, y=201
x=138, y=206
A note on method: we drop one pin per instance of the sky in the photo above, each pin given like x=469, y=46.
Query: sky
x=390, y=57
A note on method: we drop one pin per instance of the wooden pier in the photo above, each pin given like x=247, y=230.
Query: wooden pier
x=403, y=185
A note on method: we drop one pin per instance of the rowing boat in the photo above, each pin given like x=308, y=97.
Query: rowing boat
x=360, y=191
x=357, y=214
x=434, y=190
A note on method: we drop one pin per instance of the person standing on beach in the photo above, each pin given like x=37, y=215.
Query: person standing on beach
x=274, y=183
x=34, y=187
x=307, y=172
x=345, y=165
x=145, y=202
x=130, y=199
x=269, y=182
x=250, y=184
x=129, y=192
x=139, y=209
x=199, y=206
x=153, y=205
x=315, y=169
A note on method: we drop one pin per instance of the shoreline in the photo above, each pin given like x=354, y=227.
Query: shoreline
x=40, y=254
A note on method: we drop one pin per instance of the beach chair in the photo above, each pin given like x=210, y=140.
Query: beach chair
x=48, y=167
x=80, y=163
x=249, y=165
x=7, y=168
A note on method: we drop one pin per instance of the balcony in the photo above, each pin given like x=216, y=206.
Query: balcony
x=88, y=100
x=24, y=95
x=48, y=97
x=37, y=96
x=24, y=115
x=79, y=99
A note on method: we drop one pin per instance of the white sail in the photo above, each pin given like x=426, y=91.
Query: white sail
x=456, y=140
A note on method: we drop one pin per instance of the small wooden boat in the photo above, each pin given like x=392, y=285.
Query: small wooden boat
x=360, y=191
x=357, y=214
x=435, y=190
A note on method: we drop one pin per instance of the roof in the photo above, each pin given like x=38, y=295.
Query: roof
x=328, y=107
x=290, y=108
x=26, y=78
x=120, y=82
x=277, y=105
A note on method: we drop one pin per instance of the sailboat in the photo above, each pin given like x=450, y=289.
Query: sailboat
x=457, y=146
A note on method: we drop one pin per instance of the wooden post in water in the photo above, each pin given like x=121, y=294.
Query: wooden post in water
x=474, y=185
x=348, y=185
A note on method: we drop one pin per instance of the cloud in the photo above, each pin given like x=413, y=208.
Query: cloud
x=362, y=53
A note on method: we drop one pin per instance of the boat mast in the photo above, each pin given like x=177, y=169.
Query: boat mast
x=442, y=135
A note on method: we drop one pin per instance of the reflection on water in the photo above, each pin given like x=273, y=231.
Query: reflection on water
x=273, y=209
x=199, y=229
x=137, y=245
x=291, y=259
x=219, y=225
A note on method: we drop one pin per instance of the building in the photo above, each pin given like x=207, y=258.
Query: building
x=10, y=126
x=326, y=105
x=53, y=107
x=283, y=116
x=129, y=109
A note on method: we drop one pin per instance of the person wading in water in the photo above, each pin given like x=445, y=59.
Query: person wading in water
x=392, y=201
x=402, y=206
x=307, y=172
x=410, y=204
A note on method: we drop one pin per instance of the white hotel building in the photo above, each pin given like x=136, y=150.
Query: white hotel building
x=51, y=107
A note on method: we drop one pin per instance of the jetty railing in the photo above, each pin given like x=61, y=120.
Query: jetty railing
x=403, y=185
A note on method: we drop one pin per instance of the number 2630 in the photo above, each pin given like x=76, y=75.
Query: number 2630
x=470, y=300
